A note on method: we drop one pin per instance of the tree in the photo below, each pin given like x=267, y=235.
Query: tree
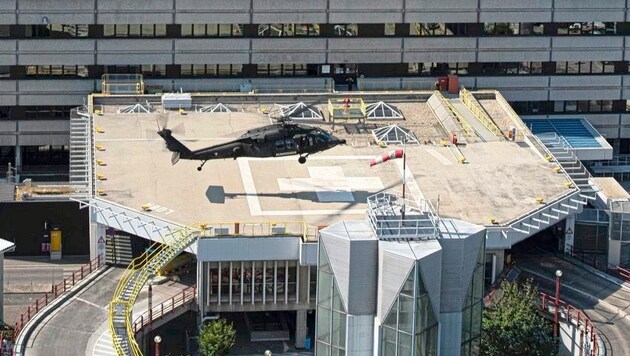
x=217, y=338
x=514, y=327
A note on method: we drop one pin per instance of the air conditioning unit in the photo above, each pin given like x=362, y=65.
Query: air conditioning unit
x=176, y=101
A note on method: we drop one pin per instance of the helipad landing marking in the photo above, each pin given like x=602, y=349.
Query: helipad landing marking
x=445, y=161
x=330, y=184
x=254, y=204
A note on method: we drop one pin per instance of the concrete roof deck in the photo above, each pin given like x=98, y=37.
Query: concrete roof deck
x=501, y=180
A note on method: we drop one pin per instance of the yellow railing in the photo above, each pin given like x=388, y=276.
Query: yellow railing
x=521, y=128
x=266, y=228
x=471, y=103
x=137, y=274
x=348, y=106
x=468, y=130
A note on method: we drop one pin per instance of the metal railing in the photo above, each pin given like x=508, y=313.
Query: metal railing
x=56, y=291
x=139, y=271
x=471, y=103
x=468, y=130
x=522, y=129
x=187, y=296
x=113, y=84
x=589, y=339
x=384, y=214
x=252, y=229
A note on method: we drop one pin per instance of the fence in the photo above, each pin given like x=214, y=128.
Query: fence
x=56, y=291
x=187, y=296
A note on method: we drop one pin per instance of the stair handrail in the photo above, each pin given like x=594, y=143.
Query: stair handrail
x=475, y=108
x=136, y=275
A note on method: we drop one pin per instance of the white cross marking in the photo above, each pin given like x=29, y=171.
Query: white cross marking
x=330, y=184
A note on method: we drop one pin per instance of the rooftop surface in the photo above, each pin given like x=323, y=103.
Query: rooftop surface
x=500, y=180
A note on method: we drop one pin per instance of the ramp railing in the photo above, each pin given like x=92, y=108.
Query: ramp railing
x=471, y=103
x=187, y=296
x=130, y=285
x=470, y=132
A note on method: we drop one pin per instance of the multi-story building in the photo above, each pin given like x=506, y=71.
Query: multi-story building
x=566, y=57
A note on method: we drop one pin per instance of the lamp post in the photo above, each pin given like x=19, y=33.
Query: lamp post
x=557, y=302
x=157, y=339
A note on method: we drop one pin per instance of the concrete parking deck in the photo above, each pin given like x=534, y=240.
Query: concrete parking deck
x=501, y=179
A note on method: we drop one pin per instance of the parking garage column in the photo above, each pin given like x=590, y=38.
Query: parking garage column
x=300, y=328
x=569, y=229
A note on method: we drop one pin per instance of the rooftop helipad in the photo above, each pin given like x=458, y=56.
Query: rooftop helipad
x=500, y=179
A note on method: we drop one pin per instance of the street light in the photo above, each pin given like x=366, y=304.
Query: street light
x=157, y=339
x=267, y=353
x=557, y=302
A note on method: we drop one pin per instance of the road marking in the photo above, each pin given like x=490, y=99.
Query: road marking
x=90, y=303
x=104, y=345
x=445, y=161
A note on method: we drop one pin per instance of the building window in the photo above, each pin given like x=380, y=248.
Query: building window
x=153, y=70
x=579, y=67
x=56, y=31
x=57, y=71
x=5, y=31
x=512, y=29
x=47, y=112
x=123, y=69
x=5, y=72
x=330, y=328
x=347, y=30
x=428, y=68
x=473, y=308
x=428, y=29
x=45, y=155
x=511, y=68
x=307, y=29
x=134, y=30
x=459, y=68
x=410, y=323
x=587, y=28
x=390, y=29
x=266, y=70
x=210, y=70
x=212, y=30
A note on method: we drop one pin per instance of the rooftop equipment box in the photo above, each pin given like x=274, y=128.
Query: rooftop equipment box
x=176, y=101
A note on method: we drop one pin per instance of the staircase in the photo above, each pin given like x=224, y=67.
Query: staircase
x=80, y=153
x=118, y=251
x=140, y=270
x=567, y=160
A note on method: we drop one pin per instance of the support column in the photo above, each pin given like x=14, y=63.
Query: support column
x=300, y=328
x=569, y=233
x=303, y=287
x=97, y=240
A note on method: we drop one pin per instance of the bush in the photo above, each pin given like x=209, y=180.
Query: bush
x=217, y=338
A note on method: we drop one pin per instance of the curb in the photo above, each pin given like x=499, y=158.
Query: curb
x=32, y=325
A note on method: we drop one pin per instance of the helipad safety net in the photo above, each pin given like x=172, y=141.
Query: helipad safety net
x=300, y=111
x=136, y=109
x=383, y=111
x=394, y=134
x=220, y=107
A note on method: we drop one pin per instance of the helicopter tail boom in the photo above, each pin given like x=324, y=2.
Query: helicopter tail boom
x=175, y=146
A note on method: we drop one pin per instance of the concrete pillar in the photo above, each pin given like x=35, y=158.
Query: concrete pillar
x=18, y=158
x=97, y=240
x=498, y=261
x=304, y=284
x=300, y=328
x=614, y=252
x=569, y=233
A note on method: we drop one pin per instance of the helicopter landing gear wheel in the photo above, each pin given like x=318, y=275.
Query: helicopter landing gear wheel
x=201, y=166
x=302, y=159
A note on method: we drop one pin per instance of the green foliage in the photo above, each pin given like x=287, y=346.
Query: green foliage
x=217, y=338
x=513, y=326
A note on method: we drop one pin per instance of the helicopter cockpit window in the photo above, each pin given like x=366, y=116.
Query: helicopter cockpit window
x=290, y=144
x=324, y=136
x=310, y=141
x=280, y=145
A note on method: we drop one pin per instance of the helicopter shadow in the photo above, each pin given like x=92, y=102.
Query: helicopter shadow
x=216, y=195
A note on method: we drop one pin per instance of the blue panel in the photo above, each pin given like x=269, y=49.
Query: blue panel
x=573, y=130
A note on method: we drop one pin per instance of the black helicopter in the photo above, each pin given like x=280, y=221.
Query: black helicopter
x=285, y=138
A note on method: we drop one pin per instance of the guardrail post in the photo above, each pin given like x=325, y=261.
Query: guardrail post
x=73, y=277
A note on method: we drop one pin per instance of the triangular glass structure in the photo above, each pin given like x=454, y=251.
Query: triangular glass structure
x=394, y=134
x=382, y=111
x=136, y=109
x=220, y=107
x=300, y=111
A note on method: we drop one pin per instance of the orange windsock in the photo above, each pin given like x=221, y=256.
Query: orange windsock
x=398, y=153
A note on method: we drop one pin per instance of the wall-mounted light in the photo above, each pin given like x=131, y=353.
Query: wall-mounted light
x=44, y=20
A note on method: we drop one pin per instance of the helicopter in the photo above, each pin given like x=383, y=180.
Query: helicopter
x=284, y=138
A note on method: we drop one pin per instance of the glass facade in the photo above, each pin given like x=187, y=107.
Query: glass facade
x=330, y=330
x=473, y=307
x=410, y=327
